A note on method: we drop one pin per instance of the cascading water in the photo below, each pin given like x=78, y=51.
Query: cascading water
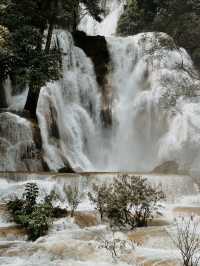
x=69, y=111
x=155, y=104
x=155, y=107
x=114, y=9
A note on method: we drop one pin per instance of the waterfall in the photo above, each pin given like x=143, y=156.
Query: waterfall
x=155, y=104
x=15, y=102
x=154, y=93
x=114, y=9
x=69, y=111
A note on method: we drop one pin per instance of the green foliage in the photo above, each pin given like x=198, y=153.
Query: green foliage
x=29, y=58
x=128, y=201
x=99, y=198
x=39, y=220
x=31, y=193
x=29, y=63
x=73, y=196
x=178, y=18
x=137, y=16
x=35, y=217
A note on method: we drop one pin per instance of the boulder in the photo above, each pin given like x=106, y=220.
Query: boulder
x=169, y=167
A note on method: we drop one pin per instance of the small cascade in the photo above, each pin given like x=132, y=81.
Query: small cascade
x=69, y=111
x=18, y=151
x=114, y=9
x=15, y=102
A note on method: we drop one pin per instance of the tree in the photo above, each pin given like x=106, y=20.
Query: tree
x=178, y=18
x=99, y=198
x=137, y=17
x=187, y=240
x=29, y=65
x=36, y=217
x=73, y=196
x=34, y=61
x=128, y=201
x=5, y=62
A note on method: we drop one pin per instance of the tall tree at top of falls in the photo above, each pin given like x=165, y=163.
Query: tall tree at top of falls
x=5, y=58
x=34, y=61
x=29, y=65
x=178, y=18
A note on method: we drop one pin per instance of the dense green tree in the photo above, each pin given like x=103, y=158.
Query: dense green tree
x=5, y=62
x=178, y=18
x=34, y=61
x=137, y=16
x=130, y=201
x=181, y=20
x=29, y=65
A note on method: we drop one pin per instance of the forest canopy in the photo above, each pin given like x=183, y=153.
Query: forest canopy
x=26, y=31
x=178, y=18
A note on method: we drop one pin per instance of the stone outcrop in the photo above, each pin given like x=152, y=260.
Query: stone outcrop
x=96, y=48
x=169, y=167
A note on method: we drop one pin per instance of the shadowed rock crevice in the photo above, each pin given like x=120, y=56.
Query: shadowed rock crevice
x=96, y=48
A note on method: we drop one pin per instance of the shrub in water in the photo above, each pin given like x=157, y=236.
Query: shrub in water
x=129, y=201
x=35, y=217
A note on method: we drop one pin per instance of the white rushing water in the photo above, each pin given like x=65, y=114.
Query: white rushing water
x=155, y=104
x=114, y=9
x=71, y=107
x=68, y=243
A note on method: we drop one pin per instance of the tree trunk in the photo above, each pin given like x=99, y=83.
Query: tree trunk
x=75, y=16
x=49, y=36
x=31, y=102
x=39, y=45
x=3, y=101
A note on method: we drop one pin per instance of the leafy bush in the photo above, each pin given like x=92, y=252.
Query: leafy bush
x=35, y=217
x=99, y=198
x=30, y=196
x=128, y=201
x=73, y=196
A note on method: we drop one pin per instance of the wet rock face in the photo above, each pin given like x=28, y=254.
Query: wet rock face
x=169, y=167
x=96, y=48
x=20, y=144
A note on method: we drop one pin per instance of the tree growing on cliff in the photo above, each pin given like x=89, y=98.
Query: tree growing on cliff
x=30, y=65
x=5, y=62
x=178, y=18
x=34, y=61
